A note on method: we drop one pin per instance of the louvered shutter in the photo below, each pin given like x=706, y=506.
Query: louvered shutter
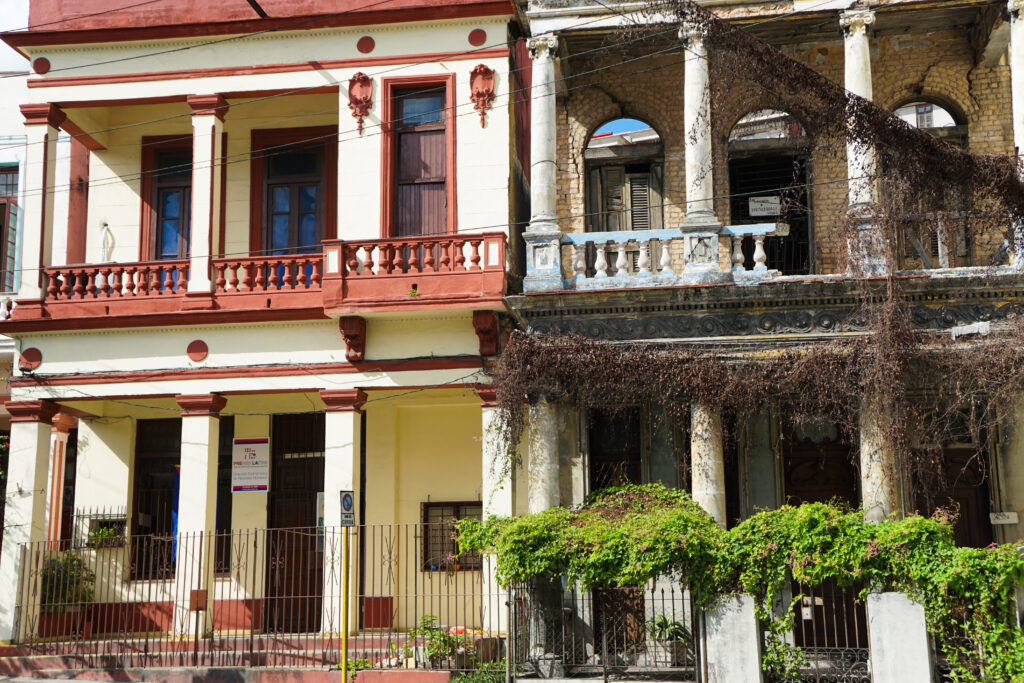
x=639, y=201
x=613, y=181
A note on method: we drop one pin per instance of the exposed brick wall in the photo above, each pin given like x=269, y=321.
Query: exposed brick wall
x=936, y=66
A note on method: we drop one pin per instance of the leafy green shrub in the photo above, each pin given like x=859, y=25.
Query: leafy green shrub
x=65, y=582
x=440, y=643
x=629, y=535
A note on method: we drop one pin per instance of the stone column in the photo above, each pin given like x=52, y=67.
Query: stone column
x=498, y=494
x=879, y=471
x=701, y=225
x=197, y=511
x=25, y=512
x=42, y=126
x=1016, y=57
x=343, y=444
x=1011, y=473
x=707, y=463
x=62, y=425
x=543, y=236
x=867, y=253
x=208, y=113
x=542, y=473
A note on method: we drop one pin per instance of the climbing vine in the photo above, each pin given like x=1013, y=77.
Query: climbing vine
x=629, y=535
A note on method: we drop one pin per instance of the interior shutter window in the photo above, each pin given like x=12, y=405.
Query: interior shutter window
x=613, y=181
x=421, y=196
x=657, y=203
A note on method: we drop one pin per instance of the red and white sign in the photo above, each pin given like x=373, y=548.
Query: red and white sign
x=250, y=465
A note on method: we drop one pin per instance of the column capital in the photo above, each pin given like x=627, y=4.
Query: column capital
x=343, y=400
x=43, y=113
x=691, y=31
x=856, y=20
x=208, y=105
x=488, y=394
x=543, y=46
x=32, y=411
x=201, y=405
x=64, y=423
x=1014, y=7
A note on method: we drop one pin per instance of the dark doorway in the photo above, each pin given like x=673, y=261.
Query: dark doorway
x=615, y=443
x=154, y=520
x=615, y=448
x=965, y=488
x=819, y=469
x=294, y=560
x=781, y=175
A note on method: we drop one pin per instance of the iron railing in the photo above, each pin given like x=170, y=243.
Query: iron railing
x=277, y=602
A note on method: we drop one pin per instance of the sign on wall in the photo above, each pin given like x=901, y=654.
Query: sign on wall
x=348, y=508
x=250, y=465
x=765, y=206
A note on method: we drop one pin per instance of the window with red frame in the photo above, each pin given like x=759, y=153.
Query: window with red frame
x=421, y=180
x=9, y=220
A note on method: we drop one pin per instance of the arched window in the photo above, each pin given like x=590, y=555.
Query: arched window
x=624, y=162
x=936, y=235
x=937, y=119
x=768, y=168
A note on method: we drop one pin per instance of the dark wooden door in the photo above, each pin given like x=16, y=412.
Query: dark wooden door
x=615, y=445
x=294, y=559
x=821, y=470
x=964, y=486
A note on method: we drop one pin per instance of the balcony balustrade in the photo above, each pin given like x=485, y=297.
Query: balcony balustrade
x=406, y=273
x=445, y=271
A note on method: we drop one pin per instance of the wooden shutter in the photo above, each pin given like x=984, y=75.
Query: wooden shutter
x=422, y=198
x=639, y=201
x=613, y=181
x=9, y=217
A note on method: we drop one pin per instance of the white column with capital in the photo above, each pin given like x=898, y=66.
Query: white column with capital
x=707, y=462
x=25, y=515
x=42, y=126
x=701, y=226
x=1016, y=56
x=543, y=236
x=197, y=512
x=867, y=253
x=208, y=113
x=343, y=442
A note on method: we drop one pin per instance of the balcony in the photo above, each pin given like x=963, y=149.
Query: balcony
x=361, y=277
x=414, y=273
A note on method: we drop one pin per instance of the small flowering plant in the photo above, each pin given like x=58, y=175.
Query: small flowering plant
x=66, y=583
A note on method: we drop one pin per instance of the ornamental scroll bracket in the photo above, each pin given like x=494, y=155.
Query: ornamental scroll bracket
x=481, y=86
x=360, y=97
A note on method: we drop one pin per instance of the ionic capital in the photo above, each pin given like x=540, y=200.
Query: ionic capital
x=543, y=47
x=856, y=20
x=691, y=32
x=1014, y=7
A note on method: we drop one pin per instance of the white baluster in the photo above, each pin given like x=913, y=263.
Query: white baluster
x=601, y=262
x=666, y=258
x=760, y=258
x=620, y=262
x=643, y=262
x=737, y=252
x=580, y=263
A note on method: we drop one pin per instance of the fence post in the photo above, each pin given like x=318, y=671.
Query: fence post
x=898, y=639
x=732, y=643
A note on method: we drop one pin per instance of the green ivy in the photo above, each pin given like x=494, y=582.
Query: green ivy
x=628, y=535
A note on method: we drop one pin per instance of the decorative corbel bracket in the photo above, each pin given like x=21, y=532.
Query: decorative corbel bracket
x=360, y=97
x=485, y=323
x=353, y=331
x=481, y=86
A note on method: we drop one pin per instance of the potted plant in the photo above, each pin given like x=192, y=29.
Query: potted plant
x=442, y=645
x=66, y=593
x=671, y=639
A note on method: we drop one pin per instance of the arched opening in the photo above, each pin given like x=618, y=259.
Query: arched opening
x=936, y=234
x=768, y=172
x=624, y=162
